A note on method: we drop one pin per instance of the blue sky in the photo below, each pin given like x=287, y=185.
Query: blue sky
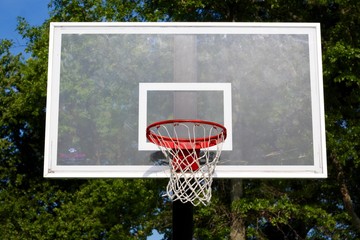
x=34, y=11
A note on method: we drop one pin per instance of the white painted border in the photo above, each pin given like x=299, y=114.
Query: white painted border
x=52, y=101
x=222, y=171
x=182, y=28
x=317, y=100
x=51, y=169
x=144, y=145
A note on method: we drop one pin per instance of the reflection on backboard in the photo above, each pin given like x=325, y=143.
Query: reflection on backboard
x=108, y=81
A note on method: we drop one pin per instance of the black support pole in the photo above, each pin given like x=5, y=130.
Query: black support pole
x=183, y=224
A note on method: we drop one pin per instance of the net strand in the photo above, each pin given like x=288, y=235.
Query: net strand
x=191, y=170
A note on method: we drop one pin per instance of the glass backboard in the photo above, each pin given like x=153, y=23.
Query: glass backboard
x=108, y=81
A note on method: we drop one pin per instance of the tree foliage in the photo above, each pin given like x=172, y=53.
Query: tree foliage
x=36, y=208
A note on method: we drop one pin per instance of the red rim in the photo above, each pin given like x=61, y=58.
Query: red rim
x=203, y=142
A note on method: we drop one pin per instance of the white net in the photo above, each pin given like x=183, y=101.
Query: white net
x=193, y=149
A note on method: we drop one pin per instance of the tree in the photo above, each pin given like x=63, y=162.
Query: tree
x=31, y=205
x=36, y=208
x=342, y=51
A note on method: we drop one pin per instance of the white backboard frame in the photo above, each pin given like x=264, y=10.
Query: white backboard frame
x=53, y=170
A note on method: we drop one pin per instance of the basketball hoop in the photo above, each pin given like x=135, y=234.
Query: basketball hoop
x=193, y=148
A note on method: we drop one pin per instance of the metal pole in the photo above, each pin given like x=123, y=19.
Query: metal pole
x=183, y=223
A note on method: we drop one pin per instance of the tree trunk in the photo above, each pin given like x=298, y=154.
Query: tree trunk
x=237, y=231
x=348, y=204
